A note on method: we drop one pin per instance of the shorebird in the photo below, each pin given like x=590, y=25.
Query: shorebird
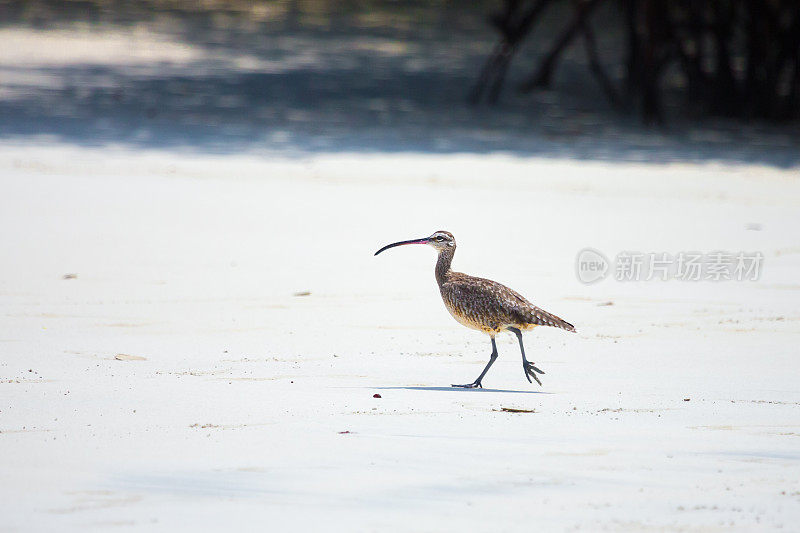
x=483, y=304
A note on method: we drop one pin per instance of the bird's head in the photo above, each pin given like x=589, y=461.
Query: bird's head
x=441, y=240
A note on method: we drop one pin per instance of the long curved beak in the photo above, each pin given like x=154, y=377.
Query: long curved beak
x=424, y=240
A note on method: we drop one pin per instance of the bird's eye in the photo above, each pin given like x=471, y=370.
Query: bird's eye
x=440, y=238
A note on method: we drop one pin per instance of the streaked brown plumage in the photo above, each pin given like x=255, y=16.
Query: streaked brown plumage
x=483, y=304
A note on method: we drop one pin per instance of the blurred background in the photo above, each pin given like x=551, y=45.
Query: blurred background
x=599, y=79
x=195, y=331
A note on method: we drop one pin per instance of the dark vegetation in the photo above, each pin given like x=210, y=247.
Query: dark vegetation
x=733, y=58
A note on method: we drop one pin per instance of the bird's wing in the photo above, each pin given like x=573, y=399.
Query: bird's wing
x=507, y=305
x=532, y=315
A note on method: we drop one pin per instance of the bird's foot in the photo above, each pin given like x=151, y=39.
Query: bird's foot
x=530, y=372
x=476, y=385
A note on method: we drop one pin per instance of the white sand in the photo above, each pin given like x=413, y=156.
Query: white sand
x=233, y=418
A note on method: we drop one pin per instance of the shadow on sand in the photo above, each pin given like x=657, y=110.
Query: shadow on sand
x=460, y=389
x=301, y=90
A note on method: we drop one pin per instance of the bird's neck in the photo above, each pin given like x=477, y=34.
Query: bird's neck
x=443, y=264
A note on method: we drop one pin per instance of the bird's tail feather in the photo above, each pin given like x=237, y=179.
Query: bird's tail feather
x=540, y=317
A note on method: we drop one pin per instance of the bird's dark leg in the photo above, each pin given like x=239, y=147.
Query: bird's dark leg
x=477, y=383
x=527, y=366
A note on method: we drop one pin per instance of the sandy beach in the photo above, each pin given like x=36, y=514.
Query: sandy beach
x=195, y=341
x=194, y=327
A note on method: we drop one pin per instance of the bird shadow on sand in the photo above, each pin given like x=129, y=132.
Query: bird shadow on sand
x=461, y=389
